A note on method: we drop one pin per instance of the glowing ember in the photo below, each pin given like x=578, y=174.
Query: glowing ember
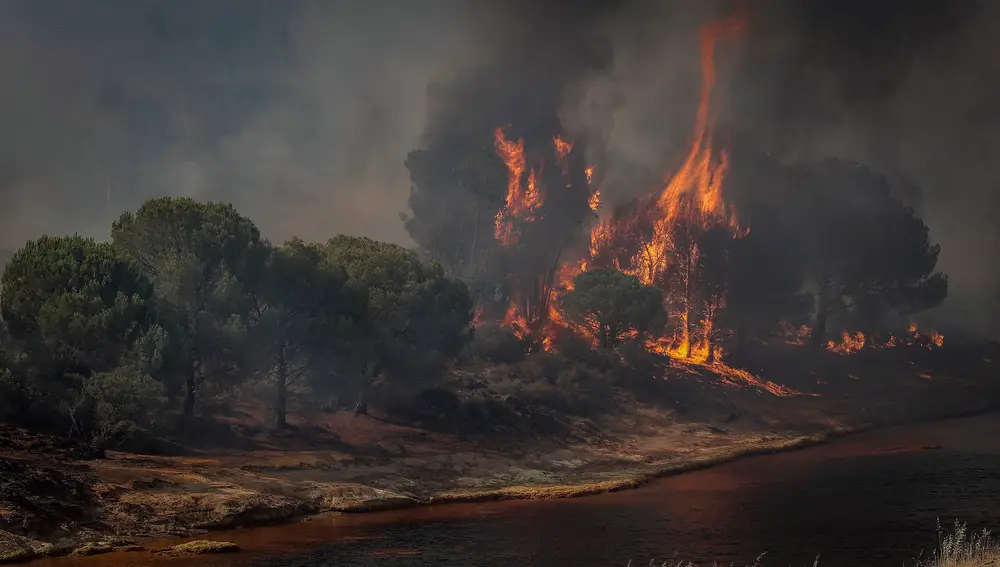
x=595, y=200
x=563, y=148
x=849, y=343
x=795, y=335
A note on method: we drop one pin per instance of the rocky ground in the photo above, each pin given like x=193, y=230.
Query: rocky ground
x=57, y=496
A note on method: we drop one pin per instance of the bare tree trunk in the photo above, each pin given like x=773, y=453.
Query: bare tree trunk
x=189, y=391
x=818, y=336
x=281, y=396
x=361, y=408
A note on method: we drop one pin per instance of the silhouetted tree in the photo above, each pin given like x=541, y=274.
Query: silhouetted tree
x=302, y=315
x=412, y=317
x=612, y=306
x=865, y=250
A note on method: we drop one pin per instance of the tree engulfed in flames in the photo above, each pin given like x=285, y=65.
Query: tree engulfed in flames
x=664, y=233
x=523, y=201
x=664, y=229
x=529, y=312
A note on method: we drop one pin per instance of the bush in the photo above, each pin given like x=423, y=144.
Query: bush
x=554, y=381
x=124, y=404
x=497, y=345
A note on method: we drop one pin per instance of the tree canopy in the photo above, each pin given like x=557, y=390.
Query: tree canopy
x=302, y=316
x=612, y=306
x=865, y=251
x=75, y=304
x=206, y=261
x=413, y=315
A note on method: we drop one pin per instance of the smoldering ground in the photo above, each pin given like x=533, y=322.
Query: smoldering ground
x=302, y=113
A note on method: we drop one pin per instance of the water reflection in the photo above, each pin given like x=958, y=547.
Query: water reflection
x=869, y=500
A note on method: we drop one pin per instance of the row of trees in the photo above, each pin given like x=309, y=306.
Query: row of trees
x=188, y=298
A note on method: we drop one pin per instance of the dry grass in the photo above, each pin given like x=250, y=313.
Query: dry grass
x=962, y=548
x=539, y=492
x=200, y=547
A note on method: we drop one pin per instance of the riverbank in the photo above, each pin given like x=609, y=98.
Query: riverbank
x=59, y=499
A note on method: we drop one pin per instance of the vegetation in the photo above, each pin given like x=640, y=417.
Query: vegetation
x=111, y=341
x=105, y=340
x=960, y=548
x=611, y=306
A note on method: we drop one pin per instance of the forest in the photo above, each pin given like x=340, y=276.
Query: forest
x=112, y=341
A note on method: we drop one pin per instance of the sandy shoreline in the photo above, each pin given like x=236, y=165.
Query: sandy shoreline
x=236, y=510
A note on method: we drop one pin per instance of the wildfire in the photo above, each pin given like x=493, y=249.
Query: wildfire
x=563, y=148
x=664, y=230
x=522, y=200
x=665, y=226
x=851, y=343
x=795, y=335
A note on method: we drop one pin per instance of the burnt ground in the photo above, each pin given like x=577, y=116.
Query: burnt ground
x=233, y=471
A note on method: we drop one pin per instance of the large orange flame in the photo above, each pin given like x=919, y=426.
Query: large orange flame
x=522, y=200
x=692, y=196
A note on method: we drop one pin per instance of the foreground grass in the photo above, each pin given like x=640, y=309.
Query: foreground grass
x=961, y=548
x=964, y=549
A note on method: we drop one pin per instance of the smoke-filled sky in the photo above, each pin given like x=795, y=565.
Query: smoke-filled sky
x=302, y=112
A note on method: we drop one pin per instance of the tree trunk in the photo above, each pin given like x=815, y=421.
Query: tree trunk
x=189, y=391
x=818, y=336
x=281, y=397
x=361, y=408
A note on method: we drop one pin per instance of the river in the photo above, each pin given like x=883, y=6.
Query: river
x=871, y=499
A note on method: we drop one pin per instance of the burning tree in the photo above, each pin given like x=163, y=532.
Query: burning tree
x=677, y=239
x=867, y=254
x=549, y=197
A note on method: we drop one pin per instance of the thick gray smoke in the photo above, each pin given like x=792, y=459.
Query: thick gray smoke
x=298, y=112
x=908, y=87
x=302, y=112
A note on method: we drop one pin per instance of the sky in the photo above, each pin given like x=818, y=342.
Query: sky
x=301, y=112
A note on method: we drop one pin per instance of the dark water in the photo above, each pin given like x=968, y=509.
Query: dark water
x=870, y=500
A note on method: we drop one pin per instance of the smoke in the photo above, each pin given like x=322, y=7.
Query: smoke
x=905, y=87
x=300, y=113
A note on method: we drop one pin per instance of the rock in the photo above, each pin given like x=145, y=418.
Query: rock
x=336, y=497
x=93, y=548
x=129, y=548
x=200, y=547
x=17, y=549
x=240, y=509
x=106, y=545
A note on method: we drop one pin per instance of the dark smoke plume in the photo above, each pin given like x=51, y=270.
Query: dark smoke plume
x=906, y=87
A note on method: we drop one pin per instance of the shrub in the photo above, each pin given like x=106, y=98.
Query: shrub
x=123, y=404
x=497, y=345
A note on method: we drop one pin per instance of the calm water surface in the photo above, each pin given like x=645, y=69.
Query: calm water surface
x=869, y=500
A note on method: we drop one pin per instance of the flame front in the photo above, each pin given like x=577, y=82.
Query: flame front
x=523, y=201
x=663, y=229
x=852, y=343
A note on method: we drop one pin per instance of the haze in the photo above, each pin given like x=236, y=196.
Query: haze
x=301, y=113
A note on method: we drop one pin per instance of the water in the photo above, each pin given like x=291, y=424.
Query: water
x=870, y=500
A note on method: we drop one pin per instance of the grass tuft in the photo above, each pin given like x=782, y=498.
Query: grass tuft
x=963, y=548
